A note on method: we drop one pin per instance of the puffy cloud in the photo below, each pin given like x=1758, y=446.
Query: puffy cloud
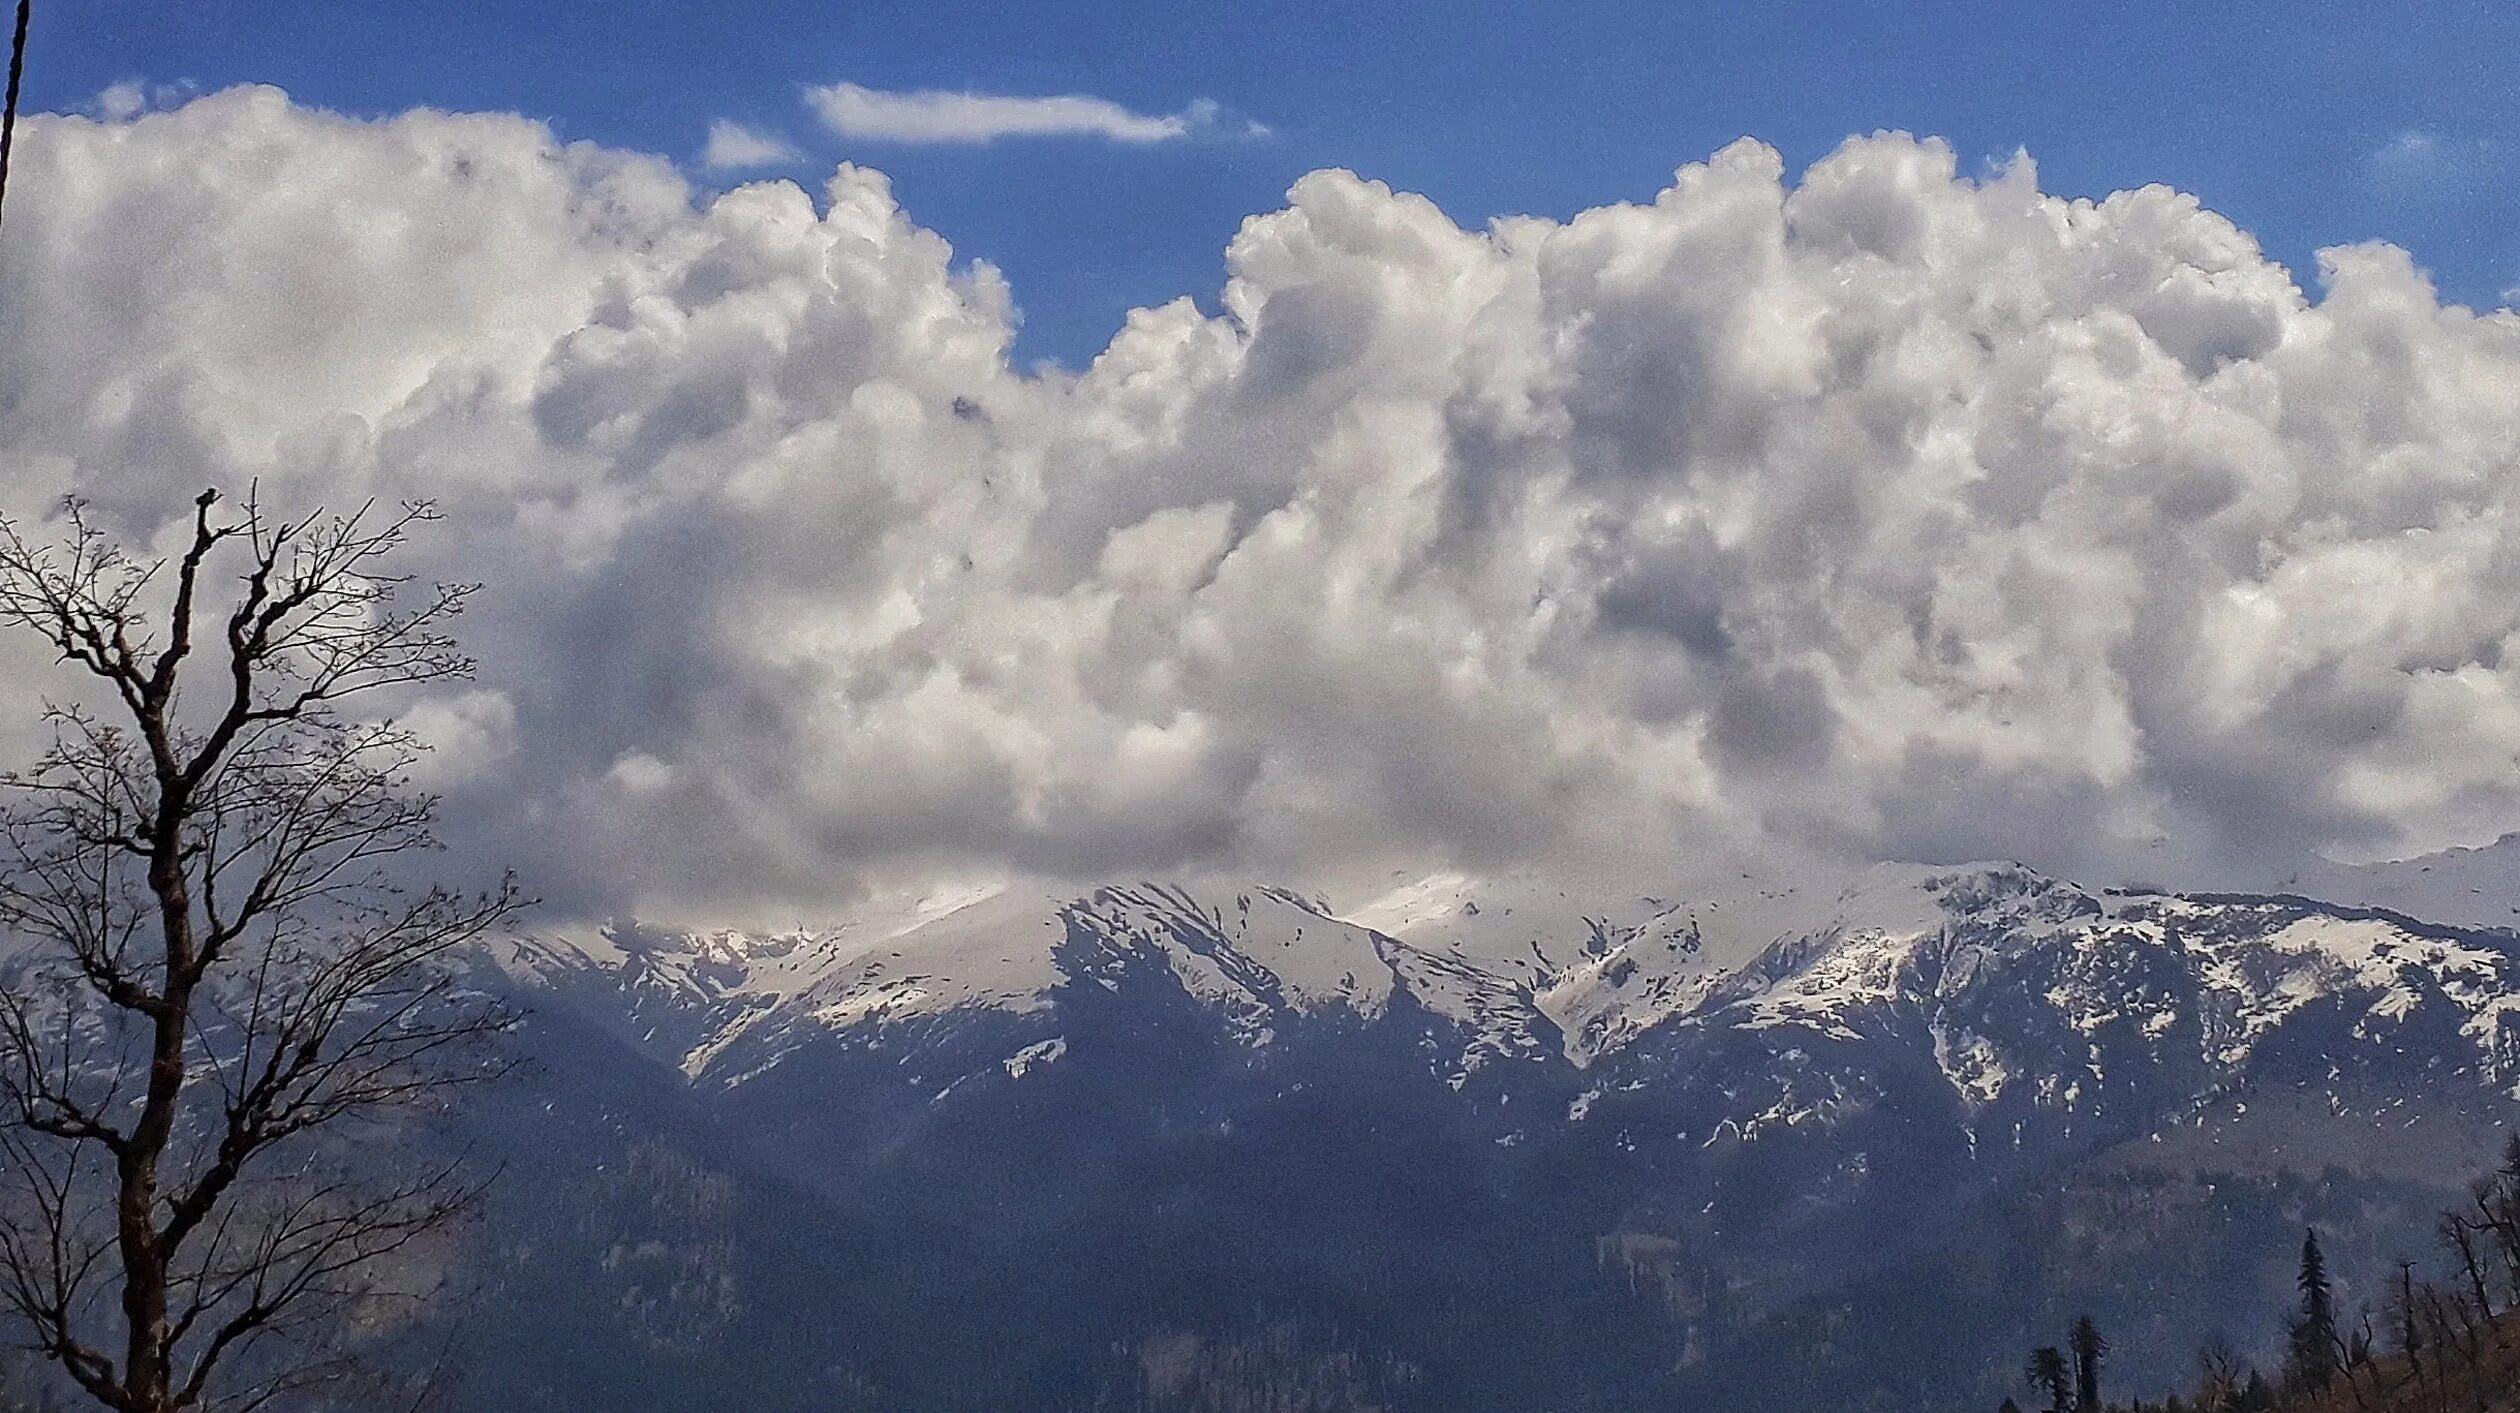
x=1883, y=513
x=935, y=115
x=733, y=147
x=123, y=100
x=129, y=98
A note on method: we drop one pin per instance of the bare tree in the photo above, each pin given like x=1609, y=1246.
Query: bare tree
x=2496, y=1200
x=2460, y=1236
x=2221, y=1374
x=219, y=991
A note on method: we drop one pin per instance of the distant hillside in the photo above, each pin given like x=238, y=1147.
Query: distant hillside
x=2447, y=1341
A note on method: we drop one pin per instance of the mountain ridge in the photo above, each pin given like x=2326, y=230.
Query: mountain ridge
x=1543, y=1146
x=1595, y=979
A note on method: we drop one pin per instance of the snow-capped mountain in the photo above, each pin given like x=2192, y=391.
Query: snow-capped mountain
x=2011, y=978
x=1512, y=1144
x=2470, y=887
x=2014, y=977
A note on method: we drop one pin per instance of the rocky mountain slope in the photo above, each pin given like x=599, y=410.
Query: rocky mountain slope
x=1512, y=1147
x=1469, y=1147
x=2018, y=986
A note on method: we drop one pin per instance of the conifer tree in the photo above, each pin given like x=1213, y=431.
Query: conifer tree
x=2313, y=1357
x=2406, y=1315
x=2047, y=1373
x=2089, y=1349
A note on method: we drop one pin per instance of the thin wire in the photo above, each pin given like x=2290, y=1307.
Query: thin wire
x=17, y=76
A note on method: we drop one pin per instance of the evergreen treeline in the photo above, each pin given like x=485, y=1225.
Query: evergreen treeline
x=2448, y=1343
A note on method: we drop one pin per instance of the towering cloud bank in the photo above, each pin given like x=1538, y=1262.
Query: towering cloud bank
x=1884, y=512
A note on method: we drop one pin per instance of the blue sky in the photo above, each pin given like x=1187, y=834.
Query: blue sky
x=2308, y=123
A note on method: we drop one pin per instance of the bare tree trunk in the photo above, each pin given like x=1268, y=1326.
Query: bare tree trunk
x=17, y=80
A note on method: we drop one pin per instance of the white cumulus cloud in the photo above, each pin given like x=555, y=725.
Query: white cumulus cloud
x=938, y=116
x=733, y=147
x=1876, y=512
x=119, y=101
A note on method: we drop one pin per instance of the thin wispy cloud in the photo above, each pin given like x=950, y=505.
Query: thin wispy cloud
x=939, y=116
x=2420, y=165
x=734, y=147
